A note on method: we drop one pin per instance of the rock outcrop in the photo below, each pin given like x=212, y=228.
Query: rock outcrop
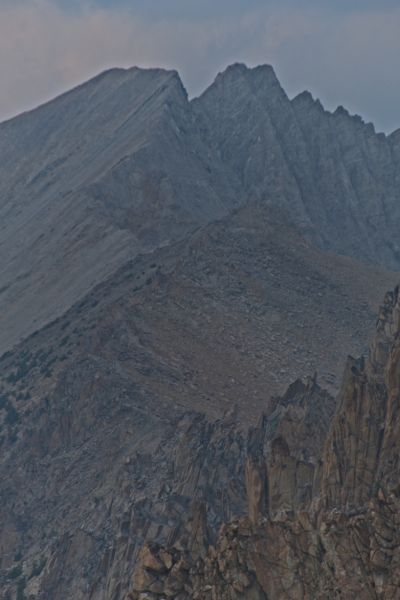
x=116, y=478
x=111, y=417
x=342, y=540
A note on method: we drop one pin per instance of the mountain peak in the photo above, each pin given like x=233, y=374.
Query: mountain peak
x=236, y=70
x=240, y=79
x=114, y=80
x=139, y=75
x=306, y=99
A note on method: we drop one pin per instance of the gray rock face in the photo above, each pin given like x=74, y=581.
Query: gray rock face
x=168, y=238
x=330, y=173
x=125, y=163
x=342, y=540
x=100, y=466
x=102, y=444
x=112, y=168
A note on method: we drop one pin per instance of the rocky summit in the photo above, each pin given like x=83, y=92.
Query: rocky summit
x=181, y=283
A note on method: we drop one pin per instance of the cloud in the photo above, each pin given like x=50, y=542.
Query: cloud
x=345, y=57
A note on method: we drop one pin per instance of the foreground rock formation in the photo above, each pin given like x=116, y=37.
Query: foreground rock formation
x=117, y=419
x=341, y=539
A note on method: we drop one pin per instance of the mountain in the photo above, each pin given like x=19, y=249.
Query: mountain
x=124, y=414
x=110, y=169
x=324, y=501
x=126, y=163
x=105, y=443
x=331, y=173
x=169, y=268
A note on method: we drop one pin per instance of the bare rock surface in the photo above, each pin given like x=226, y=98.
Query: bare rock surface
x=331, y=173
x=126, y=163
x=168, y=268
x=343, y=540
x=88, y=180
x=125, y=421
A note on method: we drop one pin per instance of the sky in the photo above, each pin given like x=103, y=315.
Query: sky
x=346, y=52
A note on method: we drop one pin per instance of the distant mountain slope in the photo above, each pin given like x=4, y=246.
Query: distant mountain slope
x=331, y=173
x=125, y=164
x=109, y=169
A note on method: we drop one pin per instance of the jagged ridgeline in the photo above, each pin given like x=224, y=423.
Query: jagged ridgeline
x=126, y=163
x=168, y=268
x=323, y=497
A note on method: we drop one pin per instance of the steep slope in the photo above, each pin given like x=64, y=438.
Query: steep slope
x=99, y=410
x=331, y=173
x=109, y=169
x=125, y=164
x=167, y=270
x=342, y=540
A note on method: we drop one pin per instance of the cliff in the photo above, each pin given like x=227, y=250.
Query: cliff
x=342, y=539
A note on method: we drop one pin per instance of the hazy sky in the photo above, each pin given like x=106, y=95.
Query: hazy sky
x=344, y=51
